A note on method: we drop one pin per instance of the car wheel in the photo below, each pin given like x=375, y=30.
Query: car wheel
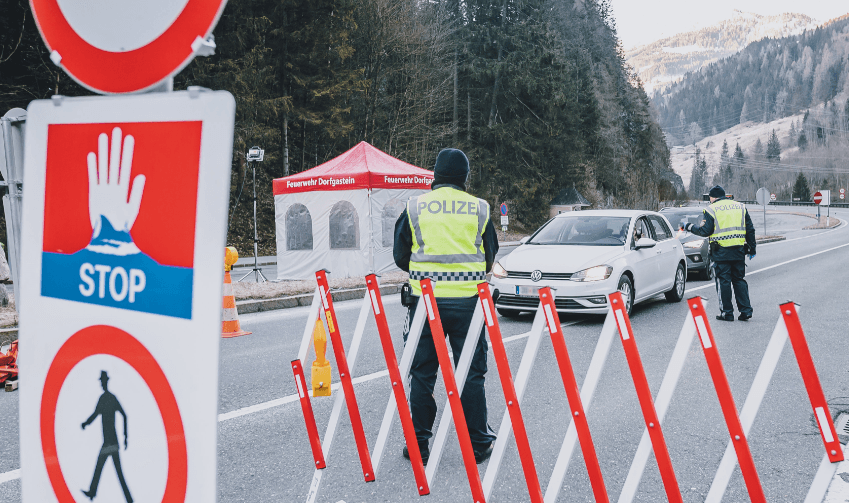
x=677, y=291
x=508, y=313
x=626, y=288
x=707, y=273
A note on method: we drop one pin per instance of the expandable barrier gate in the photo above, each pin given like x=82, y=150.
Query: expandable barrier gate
x=547, y=320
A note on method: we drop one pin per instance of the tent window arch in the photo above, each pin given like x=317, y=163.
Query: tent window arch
x=298, y=228
x=391, y=211
x=344, y=227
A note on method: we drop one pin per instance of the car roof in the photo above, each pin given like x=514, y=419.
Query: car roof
x=682, y=209
x=603, y=213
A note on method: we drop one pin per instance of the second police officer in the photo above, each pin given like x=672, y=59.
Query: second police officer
x=732, y=236
x=447, y=235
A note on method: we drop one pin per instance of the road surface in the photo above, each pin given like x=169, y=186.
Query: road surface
x=264, y=454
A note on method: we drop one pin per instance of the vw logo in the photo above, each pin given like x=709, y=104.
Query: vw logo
x=536, y=275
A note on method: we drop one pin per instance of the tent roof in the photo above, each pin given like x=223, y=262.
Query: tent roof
x=362, y=167
x=569, y=197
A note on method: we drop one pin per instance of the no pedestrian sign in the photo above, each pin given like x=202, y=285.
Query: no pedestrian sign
x=124, y=46
x=121, y=296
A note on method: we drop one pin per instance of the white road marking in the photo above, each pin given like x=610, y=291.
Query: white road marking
x=357, y=380
x=9, y=476
x=292, y=398
x=775, y=265
x=818, y=234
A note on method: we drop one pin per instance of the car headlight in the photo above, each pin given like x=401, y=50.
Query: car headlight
x=498, y=271
x=694, y=244
x=597, y=273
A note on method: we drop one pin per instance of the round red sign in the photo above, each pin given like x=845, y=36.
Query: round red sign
x=123, y=47
x=106, y=340
x=817, y=198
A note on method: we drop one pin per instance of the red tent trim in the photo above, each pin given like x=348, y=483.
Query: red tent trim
x=362, y=167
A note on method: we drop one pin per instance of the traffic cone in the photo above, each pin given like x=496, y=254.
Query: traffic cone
x=230, y=316
x=320, y=367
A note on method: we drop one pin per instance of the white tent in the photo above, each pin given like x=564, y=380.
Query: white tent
x=341, y=215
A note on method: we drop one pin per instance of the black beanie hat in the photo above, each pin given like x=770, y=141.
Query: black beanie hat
x=452, y=167
x=717, y=192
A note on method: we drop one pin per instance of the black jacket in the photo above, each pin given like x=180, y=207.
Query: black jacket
x=725, y=253
x=403, y=248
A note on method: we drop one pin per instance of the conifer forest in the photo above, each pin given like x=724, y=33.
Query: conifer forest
x=536, y=92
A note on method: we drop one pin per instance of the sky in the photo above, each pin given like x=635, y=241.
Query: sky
x=639, y=22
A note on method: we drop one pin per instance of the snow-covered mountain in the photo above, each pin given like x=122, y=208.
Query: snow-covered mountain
x=666, y=61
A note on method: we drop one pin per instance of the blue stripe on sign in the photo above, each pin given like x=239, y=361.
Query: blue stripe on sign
x=134, y=282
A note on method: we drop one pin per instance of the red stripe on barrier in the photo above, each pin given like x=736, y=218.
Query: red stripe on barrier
x=445, y=363
x=812, y=382
x=726, y=401
x=641, y=384
x=397, y=385
x=568, y=375
x=309, y=418
x=500, y=354
x=345, y=376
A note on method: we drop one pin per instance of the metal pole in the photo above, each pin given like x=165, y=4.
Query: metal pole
x=256, y=236
x=257, y=272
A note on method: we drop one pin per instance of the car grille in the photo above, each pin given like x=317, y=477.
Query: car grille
x=533, y=303
x=546, y=275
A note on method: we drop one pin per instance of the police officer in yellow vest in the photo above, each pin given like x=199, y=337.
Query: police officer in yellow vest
x=732, y=236
x=447, y=235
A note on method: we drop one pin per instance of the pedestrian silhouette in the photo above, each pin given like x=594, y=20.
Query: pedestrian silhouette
x=106, y=408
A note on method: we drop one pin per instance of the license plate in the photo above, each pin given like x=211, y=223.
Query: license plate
x=529, y=291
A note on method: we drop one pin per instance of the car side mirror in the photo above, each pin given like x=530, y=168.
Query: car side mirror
x=524, y=240
x=645, y=243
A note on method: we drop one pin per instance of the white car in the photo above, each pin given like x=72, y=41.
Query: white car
x=586, y=255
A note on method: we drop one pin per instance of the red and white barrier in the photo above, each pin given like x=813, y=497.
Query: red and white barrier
x=696, y=325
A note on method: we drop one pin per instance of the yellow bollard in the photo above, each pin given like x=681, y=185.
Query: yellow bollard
x=320, y=367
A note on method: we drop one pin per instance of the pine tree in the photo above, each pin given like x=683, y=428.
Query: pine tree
x=803, y=141
x=801, y=191
x=698, y=178
x=758, y=149
x=744, y=114
x=773, y=148
x=723, y=153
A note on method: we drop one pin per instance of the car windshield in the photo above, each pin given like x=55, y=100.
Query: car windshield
x=583, y=230
x=680, y=217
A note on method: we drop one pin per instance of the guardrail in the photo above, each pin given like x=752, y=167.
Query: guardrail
x=796, y=203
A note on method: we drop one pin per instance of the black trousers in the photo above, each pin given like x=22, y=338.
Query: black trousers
x=456, y=314
x=731, y=275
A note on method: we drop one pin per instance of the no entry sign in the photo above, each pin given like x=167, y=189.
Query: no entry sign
x=124, y=46
x=121, y=296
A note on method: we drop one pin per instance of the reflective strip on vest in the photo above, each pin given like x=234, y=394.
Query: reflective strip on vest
x=448, y=276
x=448, y=227
x=729, y=223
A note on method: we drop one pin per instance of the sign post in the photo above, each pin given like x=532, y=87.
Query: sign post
x=121, y=278
x=763, y=197
x=504, y=217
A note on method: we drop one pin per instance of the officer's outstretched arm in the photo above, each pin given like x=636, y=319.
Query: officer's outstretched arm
x=704, y=230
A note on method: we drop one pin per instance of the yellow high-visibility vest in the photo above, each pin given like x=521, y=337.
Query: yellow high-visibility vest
x=729, y=222
x=447, y=226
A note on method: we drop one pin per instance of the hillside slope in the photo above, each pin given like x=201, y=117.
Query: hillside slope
x=770, y=79
x=666, y=61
